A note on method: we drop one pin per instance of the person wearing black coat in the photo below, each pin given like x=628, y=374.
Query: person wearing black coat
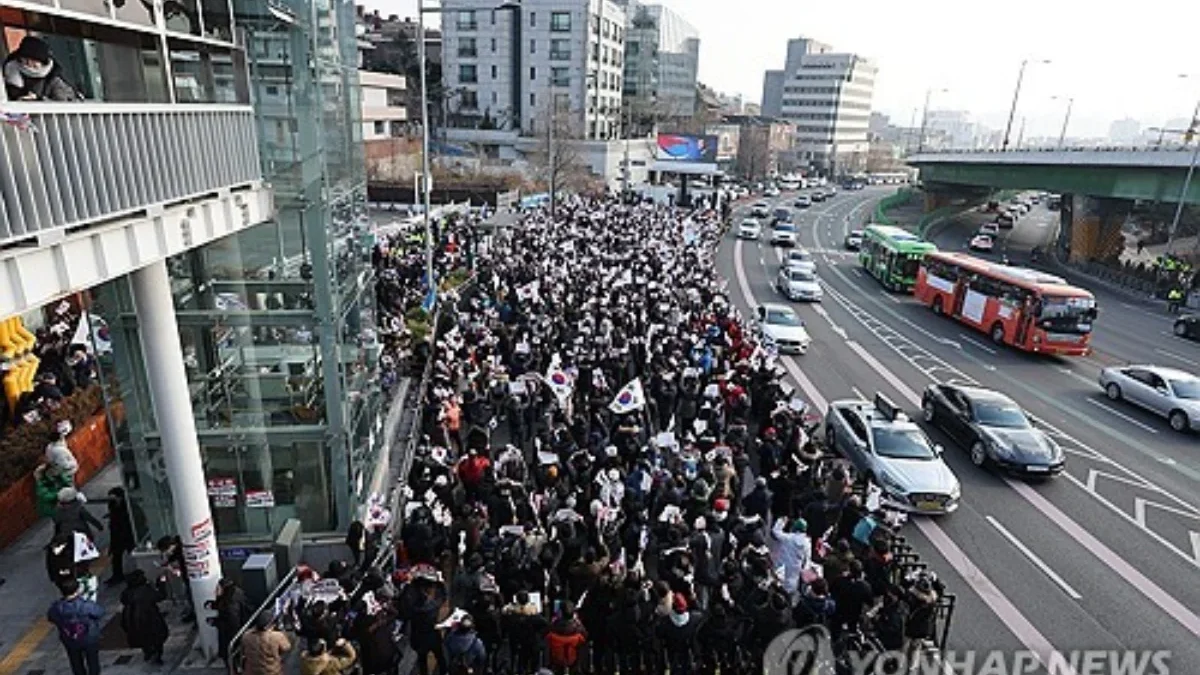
x=233, y=611
x=141, y=619
x=125, y=520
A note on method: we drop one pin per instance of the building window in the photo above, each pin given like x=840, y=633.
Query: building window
x=466, y=19
x=562, y=102
x=466, y=47
x=533, y=19
x=560, y=50
x=493, y=45
x=560, y=77
x=493, y=71
x=493, y=17
x=532, y=99
x=592, y=129
x=560, y=22
x=467, y=74
x=469, y=101
x=532, y=73
x=533, y=46
x=494, y=97
x=380, y=128
x=595, y=25
x=595, y=51
x=634, y=48
x=604, y=54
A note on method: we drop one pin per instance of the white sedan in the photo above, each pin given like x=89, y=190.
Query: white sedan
x=982, y=242
x=782, y=327
x=799, y=284
x=749, y=229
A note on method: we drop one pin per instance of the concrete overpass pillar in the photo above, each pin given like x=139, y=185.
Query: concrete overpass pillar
x=1092, y=228
x=936, y=200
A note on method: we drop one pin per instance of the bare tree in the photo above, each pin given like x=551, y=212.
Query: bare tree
x=558, y=163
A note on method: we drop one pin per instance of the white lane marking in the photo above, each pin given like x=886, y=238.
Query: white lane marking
x=1127, y=418
x=977, y=344
x=886, y=374
x=1071, y=373
x=976, y=579
x=889, y=296
x=857, y=272
x=991, y=595
x=1178, y=357
x=838, y=330
x=859, y=393
x=739, y=270
x=1033, y=557
x=1111, y=559
x=938, y=370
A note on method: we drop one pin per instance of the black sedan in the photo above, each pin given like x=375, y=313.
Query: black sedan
x=1188, y=326
x=993, y=428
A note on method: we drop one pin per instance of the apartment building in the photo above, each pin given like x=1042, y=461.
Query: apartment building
x=517, y=66
x=662, y=57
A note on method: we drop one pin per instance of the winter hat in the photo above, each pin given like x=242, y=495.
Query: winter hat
x=34, y=49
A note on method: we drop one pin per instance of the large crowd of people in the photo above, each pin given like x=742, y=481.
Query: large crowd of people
x=613, y=478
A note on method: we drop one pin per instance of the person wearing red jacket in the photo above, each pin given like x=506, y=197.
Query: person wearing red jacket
x=565, y=640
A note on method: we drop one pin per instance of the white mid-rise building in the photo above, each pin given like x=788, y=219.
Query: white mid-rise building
x=518, y=67
x=384, y=104
x=827, y=95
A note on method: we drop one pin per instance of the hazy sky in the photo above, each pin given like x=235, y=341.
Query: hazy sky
x=1115, y=59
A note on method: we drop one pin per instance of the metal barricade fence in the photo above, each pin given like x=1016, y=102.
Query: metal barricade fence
x=236, y=658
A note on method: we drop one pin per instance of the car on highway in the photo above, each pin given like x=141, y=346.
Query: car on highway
x=781, y=214
x=799, y=259
x=831, y=192
x=782, y=327
x=771, y=191
x=802, y=202
x=991, y=229
x=1188, y=326
x=1021, y=208
x=761, y=209
x=749, y=228
x=853, y=240
x=1169, y=392
x=894, y=453
x=796, y=283
x=982, y=242
x=1005, y=220
x=783, y=234
x=817, y=195
x=993, y=429
x=1054, y=202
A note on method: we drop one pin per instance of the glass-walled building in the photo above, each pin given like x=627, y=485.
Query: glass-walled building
x=276, y=322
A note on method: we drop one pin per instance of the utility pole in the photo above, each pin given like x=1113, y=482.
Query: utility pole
x=1020, y=134
x=1062, y=135
x=553, y=153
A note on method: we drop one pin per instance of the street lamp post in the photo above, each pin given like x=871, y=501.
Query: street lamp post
x=1187, y=184
x=1021, y=134
x=426, y=178
x=1062, y=135
x=1012, y=112
x=925, y=118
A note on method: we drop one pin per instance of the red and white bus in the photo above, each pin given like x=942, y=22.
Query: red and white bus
x=1017, y=306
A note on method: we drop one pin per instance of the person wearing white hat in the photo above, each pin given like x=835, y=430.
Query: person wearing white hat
x=72, y=516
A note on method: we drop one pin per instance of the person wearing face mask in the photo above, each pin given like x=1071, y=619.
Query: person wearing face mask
x=32, y=74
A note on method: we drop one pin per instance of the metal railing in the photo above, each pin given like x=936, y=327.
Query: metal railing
x=64, y=165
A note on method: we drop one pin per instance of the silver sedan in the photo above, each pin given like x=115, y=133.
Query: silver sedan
x=1171, y=393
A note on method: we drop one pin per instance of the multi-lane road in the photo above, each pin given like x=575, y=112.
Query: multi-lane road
x=1107, y=556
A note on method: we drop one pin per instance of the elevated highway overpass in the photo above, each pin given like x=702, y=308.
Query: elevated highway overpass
x=1099, y=185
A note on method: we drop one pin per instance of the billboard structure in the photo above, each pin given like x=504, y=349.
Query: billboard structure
x=686, y=154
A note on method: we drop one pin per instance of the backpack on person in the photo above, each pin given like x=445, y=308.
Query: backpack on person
x=72, y=629
x=460, y=663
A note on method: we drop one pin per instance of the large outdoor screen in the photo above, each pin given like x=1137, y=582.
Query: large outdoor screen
x=687, y=148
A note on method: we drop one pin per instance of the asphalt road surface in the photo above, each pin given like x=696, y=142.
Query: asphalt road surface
x=1106, y=556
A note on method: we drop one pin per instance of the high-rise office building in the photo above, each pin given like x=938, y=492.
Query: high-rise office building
x=662, y=57
x=827, y=95
x=519, y=66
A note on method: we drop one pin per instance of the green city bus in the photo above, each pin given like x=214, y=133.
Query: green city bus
x=893, y=255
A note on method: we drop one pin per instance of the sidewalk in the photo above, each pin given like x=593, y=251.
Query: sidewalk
x=29, y=644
